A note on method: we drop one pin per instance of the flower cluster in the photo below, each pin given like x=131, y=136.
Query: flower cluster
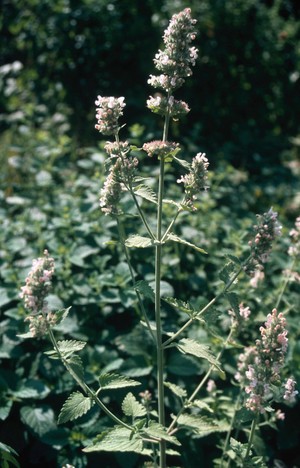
x=294, y=249
x=121, y=174
x=161, y=105
x=37, y=287
x=38, y=284
x=290, y=392
x=178, y=56
x=196, y=179
x=259, y=367
x=161, y=149
x=267, y=229
x=108, y=112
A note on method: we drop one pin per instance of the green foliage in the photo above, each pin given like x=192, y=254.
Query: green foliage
x=75, y=406
x=245, y=109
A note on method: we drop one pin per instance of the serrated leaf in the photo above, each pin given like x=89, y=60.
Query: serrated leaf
x=60, y=315
x=131, y=407
x=225, y=272
x=157, y=431
x=178, y=391
x=113, y=381
x=188, y=346
x=234, y=302
x=74, y=407
x=180, y=305
x=146, y=192
x=174, y=238
x=199, y=424
x=202, y=405
x=211, y=315
x=40, y=420
x=138, y=241
x=67, y=348
x=118, y=439
x=75, y=363
x=144, y=288
x=234, y=259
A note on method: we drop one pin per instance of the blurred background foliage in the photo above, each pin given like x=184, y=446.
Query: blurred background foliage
x=56, y=57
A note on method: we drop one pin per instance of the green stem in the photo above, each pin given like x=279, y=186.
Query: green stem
x=159, y=348
x=83, y=385
x=171, y=224
x=140, y=301
x=205, y=308
x=252, y=432
x=130, y=189
x=158, y=261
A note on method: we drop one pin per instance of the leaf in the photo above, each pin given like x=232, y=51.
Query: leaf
x=144, y=288
x=67, y=348
x=75, y=363
x=138, y=241
x=75, y=406
x=118, y=439
x=180, y=305
x=178, y=391
x=40, y=420
x=225, y=272
x=200, y=425
x=146, y=192
x=113, y=381
x=131, y=407
x=234, y=302
x=188, y=346
x=7, y=456
x=175, y=238
x=61, y=315
x=157, y=431
x=183, y=163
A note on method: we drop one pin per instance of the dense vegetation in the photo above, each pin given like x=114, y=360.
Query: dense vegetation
x=245, y=101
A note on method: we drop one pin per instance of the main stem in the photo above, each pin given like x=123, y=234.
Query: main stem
x=159, y=347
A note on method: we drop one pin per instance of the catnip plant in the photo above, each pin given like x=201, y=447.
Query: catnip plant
x=138, y=427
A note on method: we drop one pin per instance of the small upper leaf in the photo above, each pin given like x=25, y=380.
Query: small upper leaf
x=113, y=381
x=178, y=391
x=67, y=348
x=131, y=407
x=74, y=407
x=144, y=288
x=146, y=192
x=138, y=241
x=175, y=238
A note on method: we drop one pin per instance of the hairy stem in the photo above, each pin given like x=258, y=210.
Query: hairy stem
x=140, y=300
x=252, y=432
x=87, y=390
x=158, y=261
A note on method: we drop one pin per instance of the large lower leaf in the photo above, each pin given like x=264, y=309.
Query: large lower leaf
x=118, y=439
x=40, y=420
